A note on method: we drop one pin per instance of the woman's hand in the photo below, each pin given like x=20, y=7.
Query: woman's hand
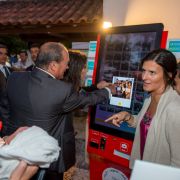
x=120, y=117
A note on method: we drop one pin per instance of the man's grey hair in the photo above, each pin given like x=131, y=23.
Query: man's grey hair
x=50, y=51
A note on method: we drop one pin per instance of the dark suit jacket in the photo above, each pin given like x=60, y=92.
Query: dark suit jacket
x=2, y=82
x=35, y=98
x=66, y=140
x=67, y=156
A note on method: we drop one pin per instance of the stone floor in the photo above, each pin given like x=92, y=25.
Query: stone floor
x=81, y=169
x=76, y=174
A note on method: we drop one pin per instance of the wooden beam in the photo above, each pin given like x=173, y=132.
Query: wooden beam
x=83, y=37
x=48, y=30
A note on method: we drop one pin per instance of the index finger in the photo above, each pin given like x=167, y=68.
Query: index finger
x=109, y=119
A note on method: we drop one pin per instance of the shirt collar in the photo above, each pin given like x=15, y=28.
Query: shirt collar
x=1, y=66
x=46, y=72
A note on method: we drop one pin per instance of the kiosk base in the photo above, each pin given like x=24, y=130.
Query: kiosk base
x=108, y=156
x=102, y=169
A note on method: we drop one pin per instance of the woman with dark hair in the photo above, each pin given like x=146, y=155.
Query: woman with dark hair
x=157, y=124
x=77, y=71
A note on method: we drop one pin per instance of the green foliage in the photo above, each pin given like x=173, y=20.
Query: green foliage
x=14, y=43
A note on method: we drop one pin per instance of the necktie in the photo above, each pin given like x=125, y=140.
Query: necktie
x=6, y=71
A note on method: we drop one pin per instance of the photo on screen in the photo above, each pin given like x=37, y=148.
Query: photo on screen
x=123, y=94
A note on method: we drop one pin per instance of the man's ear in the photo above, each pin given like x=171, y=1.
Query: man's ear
x=52, y=66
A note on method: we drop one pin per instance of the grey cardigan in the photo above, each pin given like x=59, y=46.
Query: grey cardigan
x=163, y=140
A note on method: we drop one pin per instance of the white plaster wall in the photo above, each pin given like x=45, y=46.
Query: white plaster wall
x=115, y=11
x=131, y=12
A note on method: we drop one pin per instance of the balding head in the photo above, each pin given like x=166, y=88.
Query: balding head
x=51, y=56
x=50, y=51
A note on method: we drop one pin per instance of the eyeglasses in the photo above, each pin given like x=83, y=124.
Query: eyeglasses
x=1, y=53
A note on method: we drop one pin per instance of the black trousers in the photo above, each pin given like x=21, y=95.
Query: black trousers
x=48, y=175
x=53, y=175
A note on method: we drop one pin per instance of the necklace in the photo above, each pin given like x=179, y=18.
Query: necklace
x=147, y=118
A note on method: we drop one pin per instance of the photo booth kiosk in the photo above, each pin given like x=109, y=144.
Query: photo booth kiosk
x=118, y=55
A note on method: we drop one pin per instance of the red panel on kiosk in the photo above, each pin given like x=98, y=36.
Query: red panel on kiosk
x=118, y=55
x=164, y=39
x=115, y=149
x=0, y=125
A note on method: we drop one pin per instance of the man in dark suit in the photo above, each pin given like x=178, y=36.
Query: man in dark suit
x=4, y=70
x=40, y=98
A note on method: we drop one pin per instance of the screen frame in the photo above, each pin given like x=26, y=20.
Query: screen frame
x=156, y=27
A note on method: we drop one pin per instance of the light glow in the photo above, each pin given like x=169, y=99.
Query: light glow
x=107, y=24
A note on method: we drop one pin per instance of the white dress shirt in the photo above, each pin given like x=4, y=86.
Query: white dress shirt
x=3, y=71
